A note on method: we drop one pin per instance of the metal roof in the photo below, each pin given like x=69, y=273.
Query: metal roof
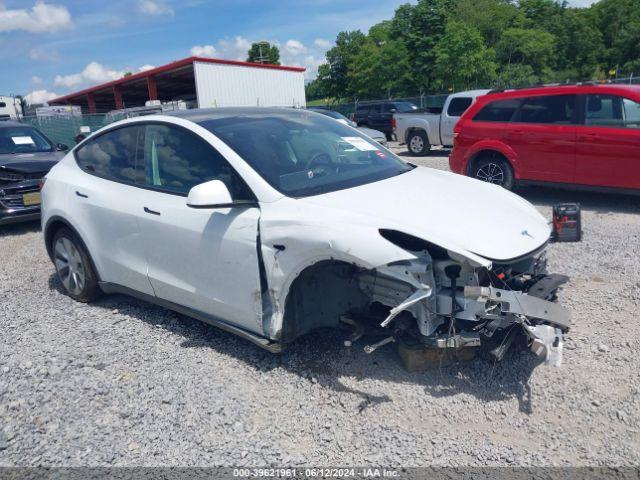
x=168, y=68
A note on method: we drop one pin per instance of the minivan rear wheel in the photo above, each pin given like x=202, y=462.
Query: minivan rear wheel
x=73, y=267
x=493, y=169
x=418, y=144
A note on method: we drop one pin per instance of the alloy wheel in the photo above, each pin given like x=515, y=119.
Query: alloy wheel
x=69, y=266
x=492, y=173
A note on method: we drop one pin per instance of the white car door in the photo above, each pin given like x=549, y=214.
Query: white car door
x=204, y=259
x=106, y=206
x=457, y=106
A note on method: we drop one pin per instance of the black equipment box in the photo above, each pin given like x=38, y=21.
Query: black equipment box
x=567, y=225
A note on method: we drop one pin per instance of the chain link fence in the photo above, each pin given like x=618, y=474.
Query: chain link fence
x=65, y=128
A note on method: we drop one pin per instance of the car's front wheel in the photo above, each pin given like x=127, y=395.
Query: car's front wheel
x=493, y=169
x=418, y=144
x=73, y=267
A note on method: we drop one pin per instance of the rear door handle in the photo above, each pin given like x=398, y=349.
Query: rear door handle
x=152, y=212
x=517, y=132
x=81, y=195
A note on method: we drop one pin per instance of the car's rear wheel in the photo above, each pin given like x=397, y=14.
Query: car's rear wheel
x=418, y=144
x=73, y=267
x=492, y=168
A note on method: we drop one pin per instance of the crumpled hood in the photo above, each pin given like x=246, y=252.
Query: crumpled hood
x=30, y=162
x=452, y=211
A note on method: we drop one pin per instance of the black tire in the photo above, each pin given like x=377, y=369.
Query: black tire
x=418, y=143
x=74, y=267
x=493, y=168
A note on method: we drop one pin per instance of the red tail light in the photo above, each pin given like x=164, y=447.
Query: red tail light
x=394, y=124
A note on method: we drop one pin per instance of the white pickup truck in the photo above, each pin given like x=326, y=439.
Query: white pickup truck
x=423, y=130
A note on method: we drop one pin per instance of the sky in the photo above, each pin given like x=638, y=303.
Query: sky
x=52, y=47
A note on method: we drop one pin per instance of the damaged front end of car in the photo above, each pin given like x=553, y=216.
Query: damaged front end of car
x=445, y=306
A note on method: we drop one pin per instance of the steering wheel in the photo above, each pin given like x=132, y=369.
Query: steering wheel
x=320, y=163
x=319, y=158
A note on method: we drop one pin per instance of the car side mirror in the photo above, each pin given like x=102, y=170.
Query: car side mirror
x=62, y=147
x=211, y=194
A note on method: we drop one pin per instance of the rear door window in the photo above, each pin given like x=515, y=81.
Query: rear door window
x=631, y=113
x=551, y=109
x=458, y=106
x=604, y=111
x=112, y=155
x=498, y=111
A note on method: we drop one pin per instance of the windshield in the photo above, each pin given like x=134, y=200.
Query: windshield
x=303, y=153
x=23, y=140
x=404, y=107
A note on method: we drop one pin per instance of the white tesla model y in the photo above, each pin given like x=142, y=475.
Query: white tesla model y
x=272, y=222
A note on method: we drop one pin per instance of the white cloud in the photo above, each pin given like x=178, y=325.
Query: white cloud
x=151, y=7
x=144, y=68
x=36, y=80
x=323, y=44
x=294, y=47
x=93, y=73
x=203, y=51
x=235, y=49
x=231, y=49
x=293, y=53
x=41, y=18
x=39, y=96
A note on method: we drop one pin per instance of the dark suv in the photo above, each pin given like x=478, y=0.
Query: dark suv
x=379, y=115
x=26, y=156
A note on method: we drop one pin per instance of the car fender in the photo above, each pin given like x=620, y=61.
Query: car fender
x=290, y=247
x=421, y=124
x=497, y=146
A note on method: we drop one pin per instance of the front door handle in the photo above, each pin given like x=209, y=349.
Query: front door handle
x=81, y=195
x=152, y=212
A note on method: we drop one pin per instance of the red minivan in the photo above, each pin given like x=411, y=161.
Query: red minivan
x=585, y=135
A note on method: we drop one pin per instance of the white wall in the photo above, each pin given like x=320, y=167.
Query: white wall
x=220, y=85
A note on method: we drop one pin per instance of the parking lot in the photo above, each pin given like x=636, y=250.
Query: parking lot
x=122, y=382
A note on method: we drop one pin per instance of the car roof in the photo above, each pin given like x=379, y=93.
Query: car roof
x=566, y=89
x=470, y=93
x=203, y=114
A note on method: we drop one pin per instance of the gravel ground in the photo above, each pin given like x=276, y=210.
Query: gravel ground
x=121, y=382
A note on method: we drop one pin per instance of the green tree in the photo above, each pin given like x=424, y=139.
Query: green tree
x=426, y=27
x=490, y=17
x=263, y=52
x=579, y=46
x=541, y=12
x=400, y=24
x=619, y=22
x=532, y=47
x=380, y=70
x=340, y=61
x=462, y=59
